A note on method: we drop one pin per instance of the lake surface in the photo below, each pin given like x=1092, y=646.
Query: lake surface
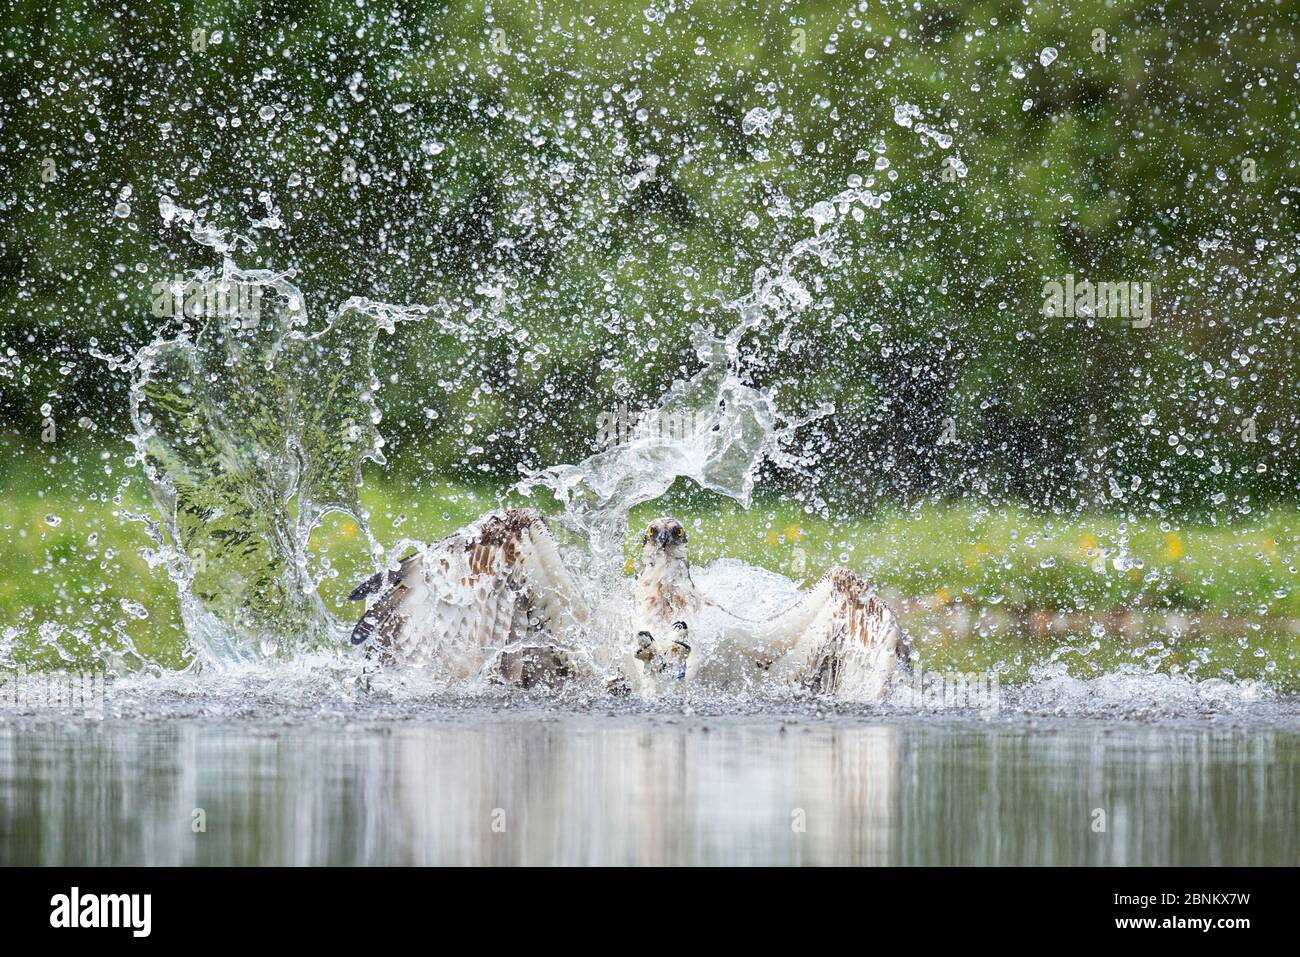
x=548, y=787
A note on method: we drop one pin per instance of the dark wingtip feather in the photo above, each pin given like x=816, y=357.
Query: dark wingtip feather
x=365, y=628
x=379, y=579
x=367, y=587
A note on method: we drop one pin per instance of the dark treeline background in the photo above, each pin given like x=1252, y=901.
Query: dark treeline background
x=579, y=182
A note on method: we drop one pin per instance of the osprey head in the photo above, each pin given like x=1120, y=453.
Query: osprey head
x=665, y=537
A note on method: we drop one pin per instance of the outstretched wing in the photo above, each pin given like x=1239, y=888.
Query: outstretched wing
x=839, y=639
x=457, y=605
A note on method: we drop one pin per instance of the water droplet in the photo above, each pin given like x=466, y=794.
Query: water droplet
x=134, y=609
x=905, y=114
x=757, y=121
x=822, y=213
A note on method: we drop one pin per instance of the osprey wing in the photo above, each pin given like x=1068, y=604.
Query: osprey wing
x=474, y=600
x=839, y=639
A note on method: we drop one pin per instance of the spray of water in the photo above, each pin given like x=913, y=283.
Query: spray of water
x=712, y=428
x=251, y=426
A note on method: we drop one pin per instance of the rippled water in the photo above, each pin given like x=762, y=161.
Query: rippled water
x=479, y=783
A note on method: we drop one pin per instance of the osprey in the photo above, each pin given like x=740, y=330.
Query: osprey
x=495, y=600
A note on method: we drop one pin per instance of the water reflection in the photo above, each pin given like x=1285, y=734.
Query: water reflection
x=549, y=789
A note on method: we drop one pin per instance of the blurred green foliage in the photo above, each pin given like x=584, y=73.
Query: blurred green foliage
x=575, y=181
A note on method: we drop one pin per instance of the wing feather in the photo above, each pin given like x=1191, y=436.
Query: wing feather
x=392, y=588
x=457, y=603
x=839, y=639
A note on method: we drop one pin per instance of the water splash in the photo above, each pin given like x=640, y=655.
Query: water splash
x=251, y=427
x=713, y=427
x=249, y=436
x=250, y=433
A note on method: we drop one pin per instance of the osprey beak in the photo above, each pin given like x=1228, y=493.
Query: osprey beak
x=664, y=537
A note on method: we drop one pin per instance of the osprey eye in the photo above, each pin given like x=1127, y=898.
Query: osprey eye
x=650, y=531
x=678, y=533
